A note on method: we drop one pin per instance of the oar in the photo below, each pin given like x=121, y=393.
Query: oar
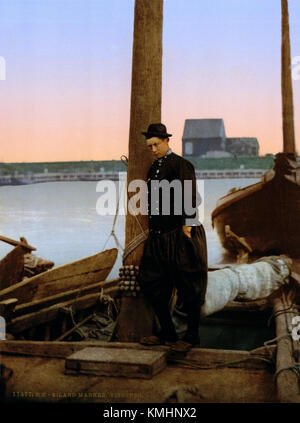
x=16, y=243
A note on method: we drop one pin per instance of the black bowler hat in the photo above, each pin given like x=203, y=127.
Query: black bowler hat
x=156, y=130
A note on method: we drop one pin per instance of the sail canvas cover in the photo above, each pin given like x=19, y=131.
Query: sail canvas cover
x=245, y=281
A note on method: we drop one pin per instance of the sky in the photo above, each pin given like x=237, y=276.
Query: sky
x=66, y=93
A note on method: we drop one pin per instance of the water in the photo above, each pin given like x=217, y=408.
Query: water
x=60, y=219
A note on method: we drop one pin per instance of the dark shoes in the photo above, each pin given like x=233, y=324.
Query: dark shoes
x=155, y=340
x=181, y=347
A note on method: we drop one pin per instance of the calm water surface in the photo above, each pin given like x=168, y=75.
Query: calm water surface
x=60, y=219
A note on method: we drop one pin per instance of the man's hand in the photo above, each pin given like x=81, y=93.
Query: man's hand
x=187, y=230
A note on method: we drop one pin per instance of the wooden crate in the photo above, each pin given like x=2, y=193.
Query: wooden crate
x=119, y=362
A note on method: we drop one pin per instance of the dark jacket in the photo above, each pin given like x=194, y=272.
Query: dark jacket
x=169, y=208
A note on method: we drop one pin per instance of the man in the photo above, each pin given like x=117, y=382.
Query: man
x=175, y=253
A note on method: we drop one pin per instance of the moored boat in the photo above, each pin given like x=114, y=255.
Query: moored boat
x=265, y=214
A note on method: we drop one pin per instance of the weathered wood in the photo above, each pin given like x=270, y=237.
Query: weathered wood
x=82, y=322
x=287, y=380
x=248, y=306
x=23, y=243
x=89, y=270
x=265, y=214
x=238, y=240
x=7, y=308
x=286, y=83
x=109, y=362
x=49, y=314
x=292, y=311
x=145, y=100
x=201, y=356
x=145, y=109
x=65, y=296
x=12, y=268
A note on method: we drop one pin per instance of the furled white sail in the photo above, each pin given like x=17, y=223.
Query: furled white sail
x=245, y=281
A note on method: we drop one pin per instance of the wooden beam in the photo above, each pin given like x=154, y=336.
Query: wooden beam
x=82, y=322
x=286, y=83
x=197, y=356
x=51, y=313
x=145, y=108
x=12, y=268
x=248, y=306
x=79, y=273
x=286, y=379
x=65, y=296
x=17, y=243
x=7, y=308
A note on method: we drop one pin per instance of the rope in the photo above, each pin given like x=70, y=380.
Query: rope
x=284, y=311
x=271, y=341
x=135, y=243
x=109, y=301
x=194, y=365
x=267, y=344
x=295, y=368
x=112, y=233
x=124, y=160
x=76, y=324
x=138, y=239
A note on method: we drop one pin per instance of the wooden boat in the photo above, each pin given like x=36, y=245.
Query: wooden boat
x=203, y=375
x=41, y=299
x=12, y=268
x=266, y=214
x=86, y=271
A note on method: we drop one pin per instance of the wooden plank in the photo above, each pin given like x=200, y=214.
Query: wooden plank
x=248, y=306
x=64, y=296
x=17, y=243
x=292, y=311
x=70, y=282
x=12, y=268
x=128, y=363
x=201, y=356
x=51, y=313
x=82, y=322
x=7, y=308
x=287, y=380
x=89, y=270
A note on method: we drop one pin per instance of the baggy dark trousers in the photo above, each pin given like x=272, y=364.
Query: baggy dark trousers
x=171, y=260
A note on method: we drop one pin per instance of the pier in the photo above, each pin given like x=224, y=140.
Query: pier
x=114, y=176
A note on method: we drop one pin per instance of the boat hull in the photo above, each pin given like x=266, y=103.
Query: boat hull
x=266, y=215
x=81, y=273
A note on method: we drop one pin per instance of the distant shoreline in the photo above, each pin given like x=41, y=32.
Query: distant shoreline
x=100, y=166
x=15, y=180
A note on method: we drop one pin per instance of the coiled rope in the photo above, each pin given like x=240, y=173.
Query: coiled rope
x=143, y=235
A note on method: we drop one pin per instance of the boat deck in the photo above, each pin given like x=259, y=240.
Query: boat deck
x=46, y=381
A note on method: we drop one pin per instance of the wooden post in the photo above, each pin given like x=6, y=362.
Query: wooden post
x=286, y=378
x=135, y=318
x=286, y=84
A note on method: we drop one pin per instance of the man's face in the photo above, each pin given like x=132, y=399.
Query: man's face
x=158, y=146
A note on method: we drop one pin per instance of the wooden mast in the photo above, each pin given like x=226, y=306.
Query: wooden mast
x=286, y=84
x=135, y=318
